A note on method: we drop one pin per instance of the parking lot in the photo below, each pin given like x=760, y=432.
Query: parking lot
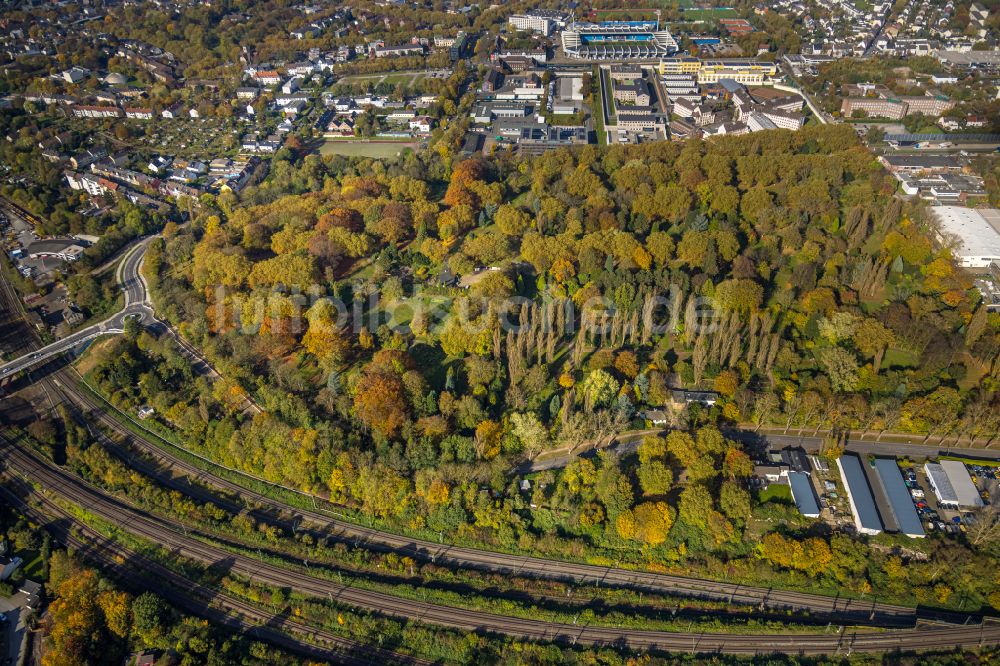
x=19, y=234
x=885, y=497
x=936, y=517
x=932, y=516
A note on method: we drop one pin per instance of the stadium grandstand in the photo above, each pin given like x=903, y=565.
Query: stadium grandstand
x=617, y=40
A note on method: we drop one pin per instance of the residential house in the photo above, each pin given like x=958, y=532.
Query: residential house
x=138, y=113
x=421, y=124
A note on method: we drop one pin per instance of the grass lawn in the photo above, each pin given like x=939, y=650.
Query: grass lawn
x=401, y=312
x=32, y=567
x=350, y=148
x=360, y=78
x=404, y=78
x=976, y=371
x=776, y=492
x=972, y=461
x=626, y=15
x=900, y=358
x=871, y=305
x=563, y=119
x=95, y=354
x=698, y=14
x=392, y=78
x=596, y=109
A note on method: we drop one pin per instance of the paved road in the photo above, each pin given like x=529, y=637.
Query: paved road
x=182, y=544
x=819, y=113
x=136, y=306
x=470, y=620
x=160, y=464
x=889, y=445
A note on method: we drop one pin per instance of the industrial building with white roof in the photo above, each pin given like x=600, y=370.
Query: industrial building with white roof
x=975, y=233
x=952, y=484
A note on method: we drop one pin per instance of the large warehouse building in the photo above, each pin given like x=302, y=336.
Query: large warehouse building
x=952, y=484
x=617, y=40
x=974, y=234
x=859, y=494
x=900, y=503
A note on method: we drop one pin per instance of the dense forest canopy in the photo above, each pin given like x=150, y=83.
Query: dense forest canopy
x=833, y=308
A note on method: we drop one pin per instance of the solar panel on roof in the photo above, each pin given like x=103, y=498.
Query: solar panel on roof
x=963, y=138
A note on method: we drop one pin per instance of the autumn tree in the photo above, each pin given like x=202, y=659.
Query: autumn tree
x=695, y=505
x=511, y=220
x=737, y=464
x=734, y=501
x=872, y=339
x=530, y=432
x=600, y=388
x=655, y=478
x=379, y=402
x=653, y=521
x=744, y=296
x=322, y=338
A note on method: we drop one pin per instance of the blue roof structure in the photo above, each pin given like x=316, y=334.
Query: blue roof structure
x=860, y=495
x=803, y=494
x=899, y=497
x=958, y=138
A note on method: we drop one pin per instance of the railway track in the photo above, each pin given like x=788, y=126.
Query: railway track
x=851, y=611
x=134, y=570
x=137, y=522
x=846, y=610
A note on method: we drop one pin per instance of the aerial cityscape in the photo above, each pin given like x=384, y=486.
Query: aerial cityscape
x=535, y=332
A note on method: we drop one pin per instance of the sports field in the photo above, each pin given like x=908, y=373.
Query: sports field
x=696, y=14
x=379, y=149
x=392, y=78
x=687, y=13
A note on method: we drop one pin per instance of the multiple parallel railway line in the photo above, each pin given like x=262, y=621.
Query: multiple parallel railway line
x=161, y=464
x=134, y=570
x=845, y=610
x=173, y=539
